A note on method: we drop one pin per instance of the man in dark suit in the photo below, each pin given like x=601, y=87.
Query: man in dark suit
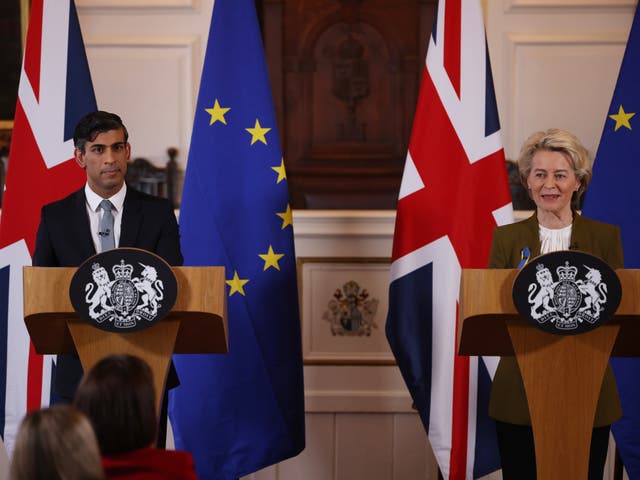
x=70, y=230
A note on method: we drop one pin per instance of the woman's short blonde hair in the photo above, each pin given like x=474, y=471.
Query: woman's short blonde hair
x=556, y=140
x=56, y=443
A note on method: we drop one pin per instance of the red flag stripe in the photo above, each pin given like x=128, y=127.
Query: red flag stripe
x=32, y=55
x=452, y=42
x=460, y=417
x=34, y=380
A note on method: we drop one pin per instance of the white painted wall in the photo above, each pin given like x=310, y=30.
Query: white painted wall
x=146, y=59
x=555, y=64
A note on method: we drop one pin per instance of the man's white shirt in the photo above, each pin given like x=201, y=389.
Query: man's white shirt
x=95, y=213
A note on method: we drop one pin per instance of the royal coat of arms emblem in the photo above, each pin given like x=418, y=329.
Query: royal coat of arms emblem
x=567, y=292
x=140, y=290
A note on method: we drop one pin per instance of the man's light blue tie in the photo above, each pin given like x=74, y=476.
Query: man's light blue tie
x=107, y=240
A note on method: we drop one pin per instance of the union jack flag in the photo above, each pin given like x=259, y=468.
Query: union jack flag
x=454, y=192
x=55, y=92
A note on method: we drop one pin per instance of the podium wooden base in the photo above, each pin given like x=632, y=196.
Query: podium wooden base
x=562, y=374
x=562, y=377
x=197, y=323
x=155, y=345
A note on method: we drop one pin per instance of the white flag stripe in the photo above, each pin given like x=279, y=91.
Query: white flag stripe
x=46, y=114
x=411, y=180
x=15, y=256
x=467, y=114
x=473, y=414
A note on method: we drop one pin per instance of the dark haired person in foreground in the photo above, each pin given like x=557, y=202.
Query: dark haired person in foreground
x=70, y=232
x=117, y=396
x=56, y=443
x=555, y=170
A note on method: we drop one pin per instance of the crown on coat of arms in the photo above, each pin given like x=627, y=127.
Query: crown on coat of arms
x=567, y=273
x=122, y=271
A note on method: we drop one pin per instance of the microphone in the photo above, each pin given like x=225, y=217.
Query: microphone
x=105, y=233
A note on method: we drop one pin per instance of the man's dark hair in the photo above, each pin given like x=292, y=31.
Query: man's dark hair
x=95, y=123
x=118, y=397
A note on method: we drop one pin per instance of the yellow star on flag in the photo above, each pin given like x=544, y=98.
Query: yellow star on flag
x=217, y=113
x=257, y=133
x=286, y=216
x=282, y=174
x=622, y=119
x=271, y=259
x=236, y=284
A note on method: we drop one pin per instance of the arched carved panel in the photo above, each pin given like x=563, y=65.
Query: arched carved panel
x=345, y=76
x=349, y=60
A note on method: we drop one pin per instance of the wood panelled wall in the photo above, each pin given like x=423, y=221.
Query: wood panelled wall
x=345, y=76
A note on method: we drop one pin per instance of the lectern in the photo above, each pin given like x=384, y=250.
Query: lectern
x=562, y=374
x=196, y=324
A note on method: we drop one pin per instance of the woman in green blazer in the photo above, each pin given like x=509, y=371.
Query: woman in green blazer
x=555, y=171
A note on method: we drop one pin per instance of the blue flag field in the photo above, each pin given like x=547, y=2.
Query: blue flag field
x=242, y=411
x=610, y=198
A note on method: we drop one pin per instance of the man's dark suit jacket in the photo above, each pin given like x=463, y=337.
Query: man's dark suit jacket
x=64, y=240
x=508, y=402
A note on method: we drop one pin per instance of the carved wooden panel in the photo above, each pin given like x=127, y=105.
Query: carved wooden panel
x=345, y=76
x=10, y=58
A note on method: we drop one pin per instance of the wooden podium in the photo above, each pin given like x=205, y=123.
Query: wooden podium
x=197, y=323
x=562, y=374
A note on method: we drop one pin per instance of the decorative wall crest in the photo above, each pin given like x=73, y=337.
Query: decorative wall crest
x=351, y=311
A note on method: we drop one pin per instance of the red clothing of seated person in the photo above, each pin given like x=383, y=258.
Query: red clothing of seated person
x=150, y=464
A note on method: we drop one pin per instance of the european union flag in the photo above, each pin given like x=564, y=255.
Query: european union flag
x=610, y=198
x=240, y=412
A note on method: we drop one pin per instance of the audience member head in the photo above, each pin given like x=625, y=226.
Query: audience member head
x=56, y=443
x=556, y=140
x=95, y=123
x=118, y=397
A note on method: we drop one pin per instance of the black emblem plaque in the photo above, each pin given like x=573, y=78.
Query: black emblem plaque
x=567, y=292
x=123, y=290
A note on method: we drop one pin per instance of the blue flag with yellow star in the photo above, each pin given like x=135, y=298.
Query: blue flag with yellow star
x=610, y=198
x=242, y=411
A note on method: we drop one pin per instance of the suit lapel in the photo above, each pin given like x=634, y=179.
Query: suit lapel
x=533, y=235
x=131, y=218
x=80, y=225
x=577, y=231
